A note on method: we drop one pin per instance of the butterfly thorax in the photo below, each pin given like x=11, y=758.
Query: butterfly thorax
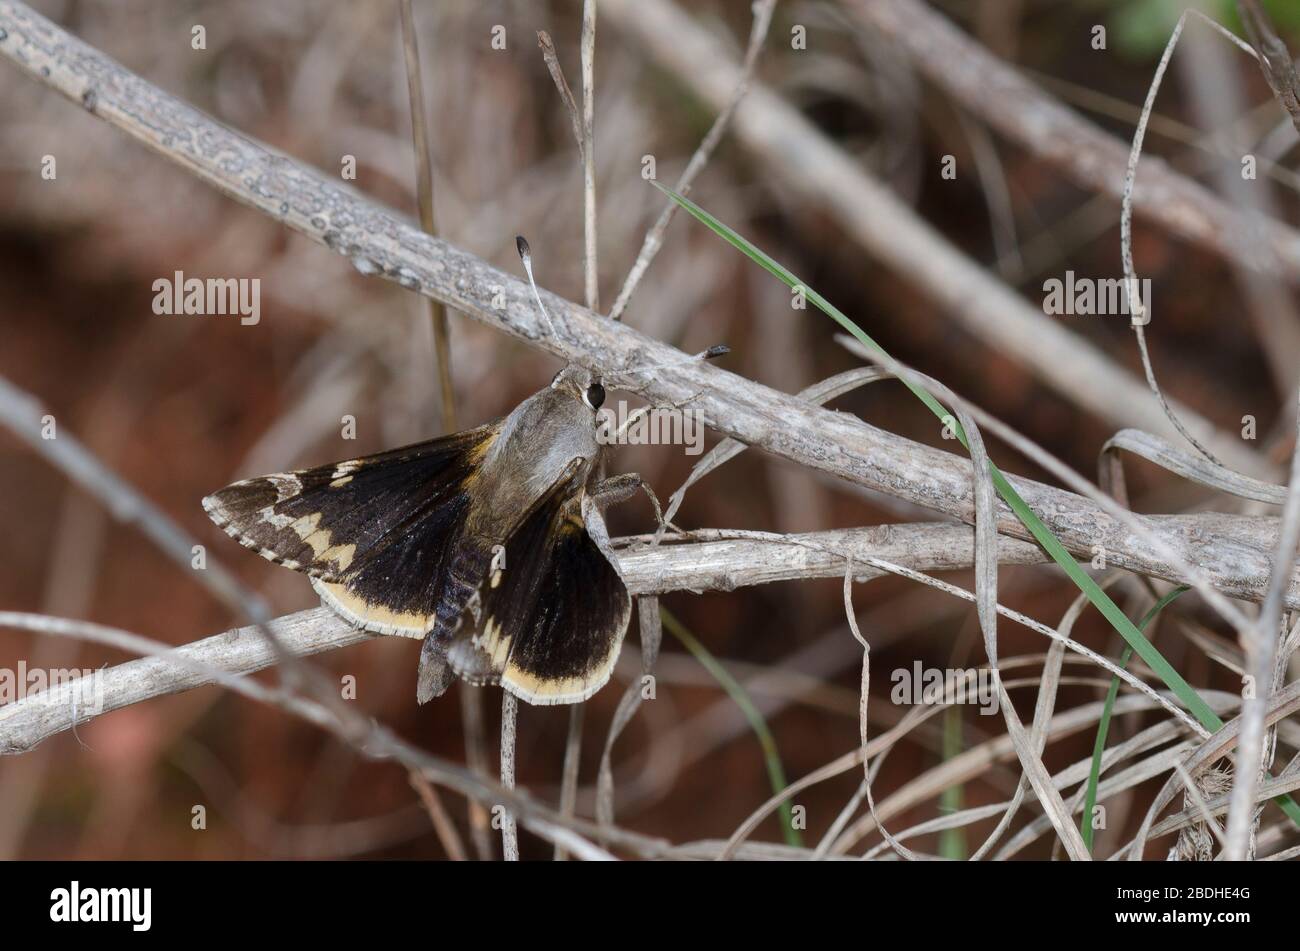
x=549, y=437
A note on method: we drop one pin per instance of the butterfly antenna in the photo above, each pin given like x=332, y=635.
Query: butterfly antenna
x=717, y=350
x=526, y=255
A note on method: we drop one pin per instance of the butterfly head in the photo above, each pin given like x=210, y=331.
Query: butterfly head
x=582, y=384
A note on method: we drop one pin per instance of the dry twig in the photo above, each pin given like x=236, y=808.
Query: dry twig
x=996, y=92
x=721, y=564
x=1274, y=58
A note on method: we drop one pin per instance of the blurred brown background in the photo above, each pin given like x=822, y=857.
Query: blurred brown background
x=180, y=406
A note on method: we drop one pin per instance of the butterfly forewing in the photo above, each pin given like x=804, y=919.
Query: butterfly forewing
x=377, y=531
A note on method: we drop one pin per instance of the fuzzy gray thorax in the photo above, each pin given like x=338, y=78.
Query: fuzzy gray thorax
x=546, y=434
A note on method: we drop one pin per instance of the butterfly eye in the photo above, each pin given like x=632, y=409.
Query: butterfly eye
x=594, y=396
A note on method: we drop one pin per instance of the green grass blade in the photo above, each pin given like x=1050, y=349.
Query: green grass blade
x=771, y=757
x=952, y=842
x=1103, y=724
x=1184, y=691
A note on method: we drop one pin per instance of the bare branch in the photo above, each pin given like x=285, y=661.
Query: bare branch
x=442, y=823
x=25, y=416
x=509, y=719
x=569, y=775
x=471, y=715
x=240, y=651
x=1063, y=472
x=648, y=569
x=372, y=740
x=1015, y=106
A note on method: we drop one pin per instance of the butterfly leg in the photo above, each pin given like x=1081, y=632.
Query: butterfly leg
x=620, y=488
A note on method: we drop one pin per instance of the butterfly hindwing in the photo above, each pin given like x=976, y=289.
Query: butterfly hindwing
x=553, y=619
x=569, y=649
x=375, y=533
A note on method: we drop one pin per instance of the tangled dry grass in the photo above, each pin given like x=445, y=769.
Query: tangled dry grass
x=827, y=154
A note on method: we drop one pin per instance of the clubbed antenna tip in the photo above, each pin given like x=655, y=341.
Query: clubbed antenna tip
x=526, y=255
x=717, y=350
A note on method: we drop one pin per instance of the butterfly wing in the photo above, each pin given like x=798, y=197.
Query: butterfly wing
x=553, y=619
x=376, y=534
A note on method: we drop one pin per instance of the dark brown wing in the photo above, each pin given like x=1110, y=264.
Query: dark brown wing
x=376, y=534
x=553, y=619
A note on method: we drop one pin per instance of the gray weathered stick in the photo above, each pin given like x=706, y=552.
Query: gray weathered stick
x=240, y=651
x=369, y=738
x=649, y=570
x=1016, y=107
x=23, y=415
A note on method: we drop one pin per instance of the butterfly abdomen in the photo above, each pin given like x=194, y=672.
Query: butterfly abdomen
x=468, y=567
x=469, y=562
